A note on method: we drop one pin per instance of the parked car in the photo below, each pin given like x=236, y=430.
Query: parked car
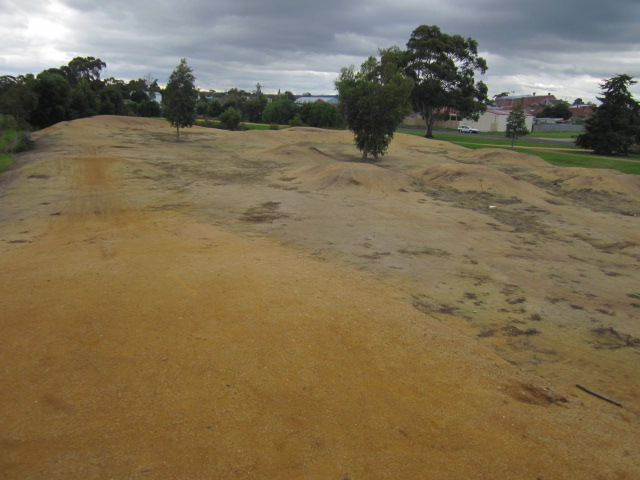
x=467, y=129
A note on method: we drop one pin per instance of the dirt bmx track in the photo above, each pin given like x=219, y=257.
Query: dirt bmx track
x=261, y=305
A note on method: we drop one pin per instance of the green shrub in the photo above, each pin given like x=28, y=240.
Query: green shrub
x=11, y=139
x=296, y=121
x=7, y=121
x=22, y=142
x=325, y=115
x=231, y=118
x=5, y=161
x=279, y=111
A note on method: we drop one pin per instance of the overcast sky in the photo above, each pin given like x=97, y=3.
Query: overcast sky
x=565, y=47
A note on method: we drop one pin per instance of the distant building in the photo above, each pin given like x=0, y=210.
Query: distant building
x=549, y=120
x=582, y=111
x=532, y=104
x=322, y=98
x=495, y=120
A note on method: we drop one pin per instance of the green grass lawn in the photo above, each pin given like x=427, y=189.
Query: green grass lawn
x=630, y=164
x=262, y=126
x=6, y=138
x=12, y=141
x=5, y=161
x=563, y=155
x=553, y=134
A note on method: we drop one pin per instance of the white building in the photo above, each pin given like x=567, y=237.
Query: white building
x=495, y=120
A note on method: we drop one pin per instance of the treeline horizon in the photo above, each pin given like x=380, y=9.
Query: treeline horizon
x=77, y=90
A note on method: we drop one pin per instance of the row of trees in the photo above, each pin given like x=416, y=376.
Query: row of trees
x=73, y=91
x=182, y=103
x=435, y=76
x=77, y=90
x=280, y=110
x=250, y=105
x=560, y=110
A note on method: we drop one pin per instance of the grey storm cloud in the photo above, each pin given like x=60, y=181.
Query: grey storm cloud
x=563, y=46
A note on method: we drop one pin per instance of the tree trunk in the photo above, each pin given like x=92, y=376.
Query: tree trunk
x=427, y=115
x=177, y=134
x=429, y=133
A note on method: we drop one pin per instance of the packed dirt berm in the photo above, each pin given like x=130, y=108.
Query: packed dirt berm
x=260, y=304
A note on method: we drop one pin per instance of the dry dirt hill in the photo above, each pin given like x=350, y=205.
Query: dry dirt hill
x=261, y=305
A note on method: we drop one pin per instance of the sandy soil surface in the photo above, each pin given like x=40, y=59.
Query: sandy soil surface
x=261, y=305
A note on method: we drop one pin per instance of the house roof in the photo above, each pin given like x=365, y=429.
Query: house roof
x=504, y=111
x=496, y=111
x=527, y=100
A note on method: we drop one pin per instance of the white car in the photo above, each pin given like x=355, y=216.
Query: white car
x=467, y=129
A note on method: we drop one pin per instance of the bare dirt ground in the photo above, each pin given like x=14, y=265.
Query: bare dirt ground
x=260, y=305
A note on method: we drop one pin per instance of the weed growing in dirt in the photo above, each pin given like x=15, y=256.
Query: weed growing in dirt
x=266, y=212
x=608, y=338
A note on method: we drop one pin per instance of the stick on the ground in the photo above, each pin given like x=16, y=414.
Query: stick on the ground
x=598, y=395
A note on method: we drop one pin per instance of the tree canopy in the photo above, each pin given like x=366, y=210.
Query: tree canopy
x=180, y=97
x=614, y=128
x=254, y=107
x=560, y=110
x=84, y=68
x=374, y=101
x=53, y=91
x=74, y=91
x=443, y=68
x=231, y=118
x=322, y=115
x=279, y=112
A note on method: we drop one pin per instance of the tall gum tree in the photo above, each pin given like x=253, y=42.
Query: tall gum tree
x=443, y=68
x=180, y=97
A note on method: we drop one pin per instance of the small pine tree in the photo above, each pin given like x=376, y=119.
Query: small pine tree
x=180, y=97
x=516, y=124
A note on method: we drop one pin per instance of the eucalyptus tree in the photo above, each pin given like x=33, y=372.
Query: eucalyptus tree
x=443, y=68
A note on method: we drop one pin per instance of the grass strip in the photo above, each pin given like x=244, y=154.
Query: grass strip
x=7, y=136
x=5, y=161
x=556, y=154
x=6, y=139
